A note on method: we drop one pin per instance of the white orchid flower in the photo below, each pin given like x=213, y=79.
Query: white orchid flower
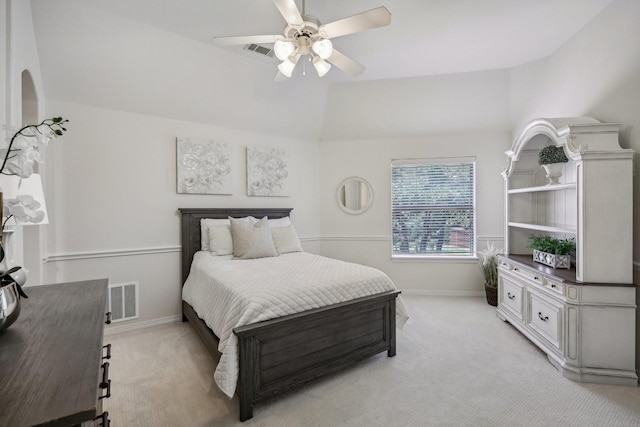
x=24, y=208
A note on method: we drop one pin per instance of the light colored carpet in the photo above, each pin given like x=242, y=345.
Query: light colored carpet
x=457, y=365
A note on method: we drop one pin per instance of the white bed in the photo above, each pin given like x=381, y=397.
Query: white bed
x=227, y=293
x=277, y=317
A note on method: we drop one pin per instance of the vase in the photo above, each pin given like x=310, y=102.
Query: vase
x=554, y=172
x=9, y=305
x=492, y=295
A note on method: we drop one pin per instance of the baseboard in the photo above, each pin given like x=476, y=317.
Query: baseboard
x=443, y=293
x=113, y=330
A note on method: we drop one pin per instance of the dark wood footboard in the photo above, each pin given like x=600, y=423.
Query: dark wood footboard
x=284, y=353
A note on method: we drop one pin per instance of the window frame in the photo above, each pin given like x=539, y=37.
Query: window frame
x=427, y=256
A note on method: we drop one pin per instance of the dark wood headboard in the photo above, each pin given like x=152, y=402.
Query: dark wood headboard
x=191, y=226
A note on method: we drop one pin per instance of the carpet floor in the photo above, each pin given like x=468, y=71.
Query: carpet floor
x=457, y=364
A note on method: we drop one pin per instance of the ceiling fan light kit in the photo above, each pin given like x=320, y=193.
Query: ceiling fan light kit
x=321, y=66
x=283, y=49
x=286, y=67
x=323, y=48
x=304, y=35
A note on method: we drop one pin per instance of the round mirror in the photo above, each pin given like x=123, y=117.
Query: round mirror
x=354, y=195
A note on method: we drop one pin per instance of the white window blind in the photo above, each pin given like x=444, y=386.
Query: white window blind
x=433, y=207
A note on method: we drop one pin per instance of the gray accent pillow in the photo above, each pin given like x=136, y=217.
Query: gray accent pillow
x=252, y=240
x=286, y=239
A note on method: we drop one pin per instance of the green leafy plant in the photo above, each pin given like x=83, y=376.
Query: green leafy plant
x=552, y=154
x=551, y=245
x=489, y=265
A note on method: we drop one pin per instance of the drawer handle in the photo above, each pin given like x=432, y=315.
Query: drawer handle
x=104, y=419
x=108, y=321
x=544, y=319
x=553, y=285
x=108, y=355
x=511, y=296
x=106, y=382
x=515, y=269
x=536, y=278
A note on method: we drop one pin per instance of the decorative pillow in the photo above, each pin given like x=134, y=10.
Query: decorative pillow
x=286, y=239
x=280, y=222
x=220, y=240
x=252, y=240
x=205, y=223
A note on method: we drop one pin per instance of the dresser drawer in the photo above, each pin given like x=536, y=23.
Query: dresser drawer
x=527, y=274
x=555, y=286
x=545, y=318
x=511, y=297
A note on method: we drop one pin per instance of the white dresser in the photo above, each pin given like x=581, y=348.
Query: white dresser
x=583, y=318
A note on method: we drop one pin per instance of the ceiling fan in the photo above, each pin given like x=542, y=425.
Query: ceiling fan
x=305, y=35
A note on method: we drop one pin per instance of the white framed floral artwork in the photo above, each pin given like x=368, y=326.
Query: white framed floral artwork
x=204, y=166
x=267, y=172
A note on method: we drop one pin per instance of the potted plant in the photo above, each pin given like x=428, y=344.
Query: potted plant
x=489, y=269
x=552, y=159
x=555, y=253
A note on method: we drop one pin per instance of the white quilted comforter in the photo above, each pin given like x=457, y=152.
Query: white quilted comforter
x=227, y=293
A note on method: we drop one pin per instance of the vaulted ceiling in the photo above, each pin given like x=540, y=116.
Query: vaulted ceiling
x=157, y=56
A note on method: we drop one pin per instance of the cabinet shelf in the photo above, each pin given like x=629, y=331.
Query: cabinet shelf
x=546, y=228
x=556, y=187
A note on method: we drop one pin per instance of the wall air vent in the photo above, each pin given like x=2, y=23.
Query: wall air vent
x=123, y=301
x=259, y=49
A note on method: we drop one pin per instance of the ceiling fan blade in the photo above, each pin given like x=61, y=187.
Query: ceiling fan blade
x=231, y=41
x=346, y=64
x=289, y=12
x=374, y=18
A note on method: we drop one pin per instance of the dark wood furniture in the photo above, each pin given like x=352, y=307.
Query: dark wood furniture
x=284, y=353
x=51, y=367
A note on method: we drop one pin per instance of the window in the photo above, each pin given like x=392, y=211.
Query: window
x=433, y=207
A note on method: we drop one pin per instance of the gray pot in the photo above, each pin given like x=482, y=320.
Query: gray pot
x=9, y=305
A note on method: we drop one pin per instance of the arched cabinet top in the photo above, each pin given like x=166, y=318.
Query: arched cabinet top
x=581, y=137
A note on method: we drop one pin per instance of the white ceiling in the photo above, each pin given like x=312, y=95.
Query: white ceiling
x=157, y=57
x=426, y=37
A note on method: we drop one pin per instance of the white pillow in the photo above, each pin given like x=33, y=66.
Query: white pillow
x=286, y=239
x=220, y=240
x=252, y=240
x=205, y=223
x=280, y=222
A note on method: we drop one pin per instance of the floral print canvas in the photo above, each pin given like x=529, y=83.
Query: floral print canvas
x=267, y=171
x=204, y=166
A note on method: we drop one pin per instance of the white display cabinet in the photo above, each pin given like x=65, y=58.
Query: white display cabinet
x=583, y=318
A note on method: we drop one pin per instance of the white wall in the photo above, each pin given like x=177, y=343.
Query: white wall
x=597, y=74
x=457, y=115
x=19, y=53
x=113, y=204
x=455, y=103
x=366, y=238
x=3, y=60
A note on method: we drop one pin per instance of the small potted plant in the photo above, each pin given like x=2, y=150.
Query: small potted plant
x=552, y=159
x=555, y=253
x=489, y=269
